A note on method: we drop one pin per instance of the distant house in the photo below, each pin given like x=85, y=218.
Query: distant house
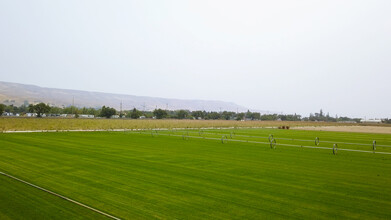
x=31, y=114
x=115, y=116
x=370, y=120
x=86, y=116
x=351, y=122
x=67, y=115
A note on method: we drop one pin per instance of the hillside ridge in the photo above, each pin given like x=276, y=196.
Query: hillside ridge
x=18, y=94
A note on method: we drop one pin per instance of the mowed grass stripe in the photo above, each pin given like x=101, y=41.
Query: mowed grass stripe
x=20, y=201
x=295, y=137
x=58, y=195
x=215, y=180
x=310, y=135
x=323, y=135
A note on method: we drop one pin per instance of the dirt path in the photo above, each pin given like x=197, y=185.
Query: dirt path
x=362, y=129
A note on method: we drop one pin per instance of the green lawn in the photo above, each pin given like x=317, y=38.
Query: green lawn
x=20, y=201
x=137, y=176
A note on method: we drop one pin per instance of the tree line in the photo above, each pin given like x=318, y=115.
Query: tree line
x=43, y=109
x=107, y=112
x=321, y=116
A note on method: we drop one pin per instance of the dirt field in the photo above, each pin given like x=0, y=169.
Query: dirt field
x=362, y=129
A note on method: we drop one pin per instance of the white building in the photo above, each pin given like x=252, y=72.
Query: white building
x=86, y=116
x=371, y=120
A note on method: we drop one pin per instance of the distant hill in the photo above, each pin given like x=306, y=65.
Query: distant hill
x=18, y=94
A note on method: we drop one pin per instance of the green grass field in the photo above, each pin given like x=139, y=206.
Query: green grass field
x=139, y=176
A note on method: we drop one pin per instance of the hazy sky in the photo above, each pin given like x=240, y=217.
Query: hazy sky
x=286, y=56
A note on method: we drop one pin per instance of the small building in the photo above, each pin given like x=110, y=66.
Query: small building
x=8, y=114
x=67, y=115
x=86, y=116
x=31, y=114
x=375, y=120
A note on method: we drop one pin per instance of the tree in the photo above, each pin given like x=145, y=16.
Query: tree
x=213, y=115
x=2, y=107
x=269, y=117
x=22, y=109
x=387, y=121
x=11, y=108
x=135, y=113
x=92, y=111
x=55, y=110
x=31, y=108
x=84, y=111
x=40, y=109
x=255, y=116
x=160, y=113
x=227, y=115
x=107, y=112
x=198, y=114
x=240, y=116
x=294, y=117
x=181, y=114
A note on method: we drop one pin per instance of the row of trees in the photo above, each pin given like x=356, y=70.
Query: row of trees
x=43, y=108
x=326, y=117
x=225, y=115
x=23, y=109
x=387, y=120
x=108, y=112
x=13, y=109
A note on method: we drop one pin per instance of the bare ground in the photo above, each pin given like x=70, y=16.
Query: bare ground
x=362, y=129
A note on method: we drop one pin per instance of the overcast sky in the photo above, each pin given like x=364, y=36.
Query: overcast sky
x=285, y=56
